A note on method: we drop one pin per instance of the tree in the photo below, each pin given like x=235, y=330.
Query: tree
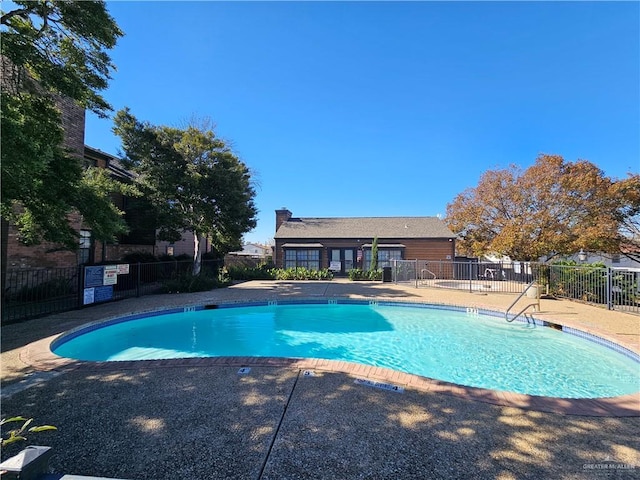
x=49, y=50
x=627, y=192
x=553, y=207
x=374, y=255
x=60, y=47
x=193, y=180
x=42, y=184
x=53, y=49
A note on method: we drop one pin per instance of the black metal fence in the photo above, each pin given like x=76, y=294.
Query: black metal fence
x=36, y=292
x=30, y=293
x=472, y=276
x=614, y=288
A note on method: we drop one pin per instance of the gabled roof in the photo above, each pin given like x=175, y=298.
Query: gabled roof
x=364, y=228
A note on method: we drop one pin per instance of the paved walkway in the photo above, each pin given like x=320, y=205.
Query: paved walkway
x=201, y=419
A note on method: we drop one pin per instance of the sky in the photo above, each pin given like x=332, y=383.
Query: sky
x=359, y=109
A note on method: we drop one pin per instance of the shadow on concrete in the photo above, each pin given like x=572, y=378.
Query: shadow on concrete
x=272, y=423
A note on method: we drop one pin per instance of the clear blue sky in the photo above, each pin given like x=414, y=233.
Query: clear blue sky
x=383, y=108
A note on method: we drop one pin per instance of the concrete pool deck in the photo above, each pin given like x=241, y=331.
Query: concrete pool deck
x=201, y=419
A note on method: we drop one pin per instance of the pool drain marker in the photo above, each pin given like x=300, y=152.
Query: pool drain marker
x=383, y=386
x=244, y=370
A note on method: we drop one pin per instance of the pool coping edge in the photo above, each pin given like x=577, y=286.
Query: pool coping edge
x=39, y=356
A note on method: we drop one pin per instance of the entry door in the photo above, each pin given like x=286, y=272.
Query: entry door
x=346, y=257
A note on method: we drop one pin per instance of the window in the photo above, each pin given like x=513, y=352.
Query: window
x=386, y=256
x=302, y=258
x=84, y=252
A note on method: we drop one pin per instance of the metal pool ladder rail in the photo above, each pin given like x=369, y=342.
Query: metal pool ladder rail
x=536, y=305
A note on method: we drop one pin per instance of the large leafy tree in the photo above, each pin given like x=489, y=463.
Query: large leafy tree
x=193, y=180
x=62, y=46
x=49, y=50
x=42, y=183
x=627, y=192
x=553, y=207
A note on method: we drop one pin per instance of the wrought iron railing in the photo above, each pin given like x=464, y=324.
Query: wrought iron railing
x=614, y=288
x=472, y=276
x=30, y=293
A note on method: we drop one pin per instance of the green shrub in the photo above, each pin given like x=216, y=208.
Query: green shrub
x=358, y=274
x=18, y=434
x=139, y=257
x=301, y=273
x=586, y=282
x=56, y=287
x=261, y=272
x=187, y=283
x=183, y=257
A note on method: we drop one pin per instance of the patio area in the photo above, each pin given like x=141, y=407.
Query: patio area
x=201, y=419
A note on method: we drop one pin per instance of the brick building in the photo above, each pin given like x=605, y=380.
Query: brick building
x=47, y=254
x=342, y=244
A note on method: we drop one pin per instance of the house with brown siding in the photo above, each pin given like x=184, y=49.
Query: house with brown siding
x=342, y=244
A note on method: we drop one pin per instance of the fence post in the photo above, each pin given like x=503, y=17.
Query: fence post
x=470, y=273
x=416, y=272
x=138, y=280
x=81, y=286
x=609, y=289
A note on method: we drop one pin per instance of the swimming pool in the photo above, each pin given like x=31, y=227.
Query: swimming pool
x=452, y=344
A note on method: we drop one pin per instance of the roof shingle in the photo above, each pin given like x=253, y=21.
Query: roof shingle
x=364, y=227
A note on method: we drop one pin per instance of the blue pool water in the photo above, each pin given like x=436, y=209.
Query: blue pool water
x=454, y=346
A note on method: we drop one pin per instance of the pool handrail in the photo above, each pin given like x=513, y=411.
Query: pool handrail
x=536, y=305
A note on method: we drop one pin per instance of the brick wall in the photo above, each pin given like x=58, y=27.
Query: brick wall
x=47, y=254
x=44, y=255
x=116, y=252
x=73, y=119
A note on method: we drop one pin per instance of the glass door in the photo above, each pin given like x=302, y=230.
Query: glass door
x=348, y=260
x=341, y=260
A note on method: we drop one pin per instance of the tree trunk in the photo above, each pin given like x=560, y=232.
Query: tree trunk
x=197, y=253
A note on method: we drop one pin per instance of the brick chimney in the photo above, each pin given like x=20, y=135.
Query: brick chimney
x=282, y=216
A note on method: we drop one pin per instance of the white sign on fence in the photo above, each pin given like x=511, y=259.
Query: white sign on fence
x=110, y=275
x=89, y=296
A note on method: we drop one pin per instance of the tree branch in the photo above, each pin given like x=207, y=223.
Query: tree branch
x=23, y=12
